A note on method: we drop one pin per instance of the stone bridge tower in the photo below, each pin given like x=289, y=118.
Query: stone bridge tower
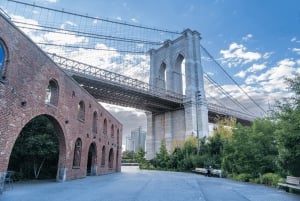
x=176, y=67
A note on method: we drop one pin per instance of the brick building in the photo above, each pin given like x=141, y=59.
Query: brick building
x=31, y=85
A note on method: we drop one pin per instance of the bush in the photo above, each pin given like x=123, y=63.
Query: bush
x=255, y=180
x=270, y=179
x=242, y=177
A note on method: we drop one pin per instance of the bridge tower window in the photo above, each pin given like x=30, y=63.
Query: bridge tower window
x=112, y=130
x=162, y=76
x=103, y=156
x=180, y=67
x=111, y=158
x=81, y=111
x=52, y=93
x=77, y=153
x=95, y=119
x=105, y=127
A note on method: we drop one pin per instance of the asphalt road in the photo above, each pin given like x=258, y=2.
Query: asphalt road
x=135, y=185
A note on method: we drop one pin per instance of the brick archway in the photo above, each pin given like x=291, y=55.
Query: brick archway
x=61, y=172
x=34, y=85
x=92, y=160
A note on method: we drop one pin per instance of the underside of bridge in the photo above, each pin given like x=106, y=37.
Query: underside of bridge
x=214, y=117
x=113, y=93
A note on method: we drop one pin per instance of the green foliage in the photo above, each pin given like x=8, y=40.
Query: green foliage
x=251, y=150
x=35, y=153
x=162, y=157
x=129, y=157
x=245, y=177
x=288, y=131
x=271, y=179
x=140, y=156
x=269, y=147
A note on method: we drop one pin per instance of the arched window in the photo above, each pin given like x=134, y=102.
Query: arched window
x=162, y=76
x=81, y=111
x=111, y=158
x=112, y=131
x=3, y=59
x=52, y=93
x=95, y=119
x=180, y=68
x=103, y=156
x=77, y=153
x=105, y=127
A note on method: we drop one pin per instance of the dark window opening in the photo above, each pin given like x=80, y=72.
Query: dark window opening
x=81, y=111
x=52, y=93
x=103, y=156
x=77, y=154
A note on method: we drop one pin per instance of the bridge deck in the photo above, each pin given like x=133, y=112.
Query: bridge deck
x=118, y=89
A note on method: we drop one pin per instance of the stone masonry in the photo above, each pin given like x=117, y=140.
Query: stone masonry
x=28, y=77
x=166, y=72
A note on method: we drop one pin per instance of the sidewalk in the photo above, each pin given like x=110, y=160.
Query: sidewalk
x=135, y=185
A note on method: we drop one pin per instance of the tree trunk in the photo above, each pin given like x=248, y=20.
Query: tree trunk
x=36, y=169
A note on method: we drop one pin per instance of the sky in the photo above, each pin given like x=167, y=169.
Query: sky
x=257, y=42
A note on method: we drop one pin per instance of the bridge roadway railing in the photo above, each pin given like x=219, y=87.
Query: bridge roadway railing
x=230, y=112
x=85, y=70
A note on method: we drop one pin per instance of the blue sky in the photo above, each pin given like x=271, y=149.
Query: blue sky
x=256, y=41
x=256, y=32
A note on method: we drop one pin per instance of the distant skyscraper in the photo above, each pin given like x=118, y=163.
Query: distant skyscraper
x=136, y=140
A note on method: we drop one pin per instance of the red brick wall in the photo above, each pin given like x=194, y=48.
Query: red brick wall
x=27, y=73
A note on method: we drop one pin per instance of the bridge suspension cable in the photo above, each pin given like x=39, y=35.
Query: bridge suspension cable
x=230, y=77
x=116, y=46
x=223, y=91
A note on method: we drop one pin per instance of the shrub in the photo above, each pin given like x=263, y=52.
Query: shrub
x=270, y=179
x=242, y=177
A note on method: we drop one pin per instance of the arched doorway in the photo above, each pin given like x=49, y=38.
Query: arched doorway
x=111, y=159
x=39, y=151
x=92, y=160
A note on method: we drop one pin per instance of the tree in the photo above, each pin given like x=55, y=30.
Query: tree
x=128, y=157
x=140, y=155
x=288, y=130
x=36, y=146
x=162, y=156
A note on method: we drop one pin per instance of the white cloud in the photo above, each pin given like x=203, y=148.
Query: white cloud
x=267, y=55
x=63, y=38
x=247, y=37
x=134, y=20
x=295, y=40
x=274, y=78
x=52, y=1
x=241, y=74
x=256, y=67
x=237, y=54
x=67, y=23
x=296, y=50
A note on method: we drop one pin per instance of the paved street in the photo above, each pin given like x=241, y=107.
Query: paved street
x=135, y=185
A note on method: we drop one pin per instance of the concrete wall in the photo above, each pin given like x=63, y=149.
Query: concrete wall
x=23, y=84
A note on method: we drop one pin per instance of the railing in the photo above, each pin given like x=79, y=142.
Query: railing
x=77, y=68
x=85, y=70
x=230, y=112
